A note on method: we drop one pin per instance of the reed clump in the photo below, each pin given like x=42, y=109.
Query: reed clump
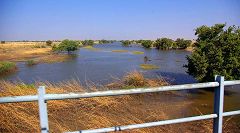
x=136, y=79
x=7, y=67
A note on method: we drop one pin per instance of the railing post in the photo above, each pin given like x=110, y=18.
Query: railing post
x=42, y=104
x=218, y=104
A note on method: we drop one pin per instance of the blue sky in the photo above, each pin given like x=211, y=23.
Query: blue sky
x=111, y=19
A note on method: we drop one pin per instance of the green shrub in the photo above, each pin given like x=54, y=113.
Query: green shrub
x=164, y=43
x=126, y=43
x=66, y=45
x=2, y=42
x=31, y=62
x=146, y=43
x=88, y=42
x=182, y=44
x=104, y=41
x=6, y=67
x=217, y=52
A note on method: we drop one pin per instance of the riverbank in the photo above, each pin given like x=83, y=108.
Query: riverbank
x=24, y=51
x=100, y=112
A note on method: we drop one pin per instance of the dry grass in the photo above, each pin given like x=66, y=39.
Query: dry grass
x=74, y=115
x=23, y=51
x=20, y=51
x=136, y=79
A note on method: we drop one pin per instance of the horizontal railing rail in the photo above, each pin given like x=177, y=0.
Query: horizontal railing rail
x=31, y=98
x=42, y=99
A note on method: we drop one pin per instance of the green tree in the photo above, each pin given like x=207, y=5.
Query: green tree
x=164, y=43
x=88, y=42
x=182, y=44
x=104, y=41
x=217, y=53
x=67, y=45
x=126, y=43
x=146, y=43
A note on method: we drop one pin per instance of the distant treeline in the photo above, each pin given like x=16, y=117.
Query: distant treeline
x=161, y=43
x=82, y=41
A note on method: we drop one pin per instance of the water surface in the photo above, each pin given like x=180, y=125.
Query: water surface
x=100, y=66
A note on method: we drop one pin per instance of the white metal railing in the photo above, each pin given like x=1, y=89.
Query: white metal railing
x=218, y=114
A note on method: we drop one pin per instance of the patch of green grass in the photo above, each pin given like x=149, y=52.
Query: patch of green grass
x=7, y=67
x=148, y=66
x=26, y=86
x=31, y=62
x=91, y=48
x=138, y=52
x=120, y=51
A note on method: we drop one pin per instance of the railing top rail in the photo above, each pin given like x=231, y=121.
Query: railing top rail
x=30, y=98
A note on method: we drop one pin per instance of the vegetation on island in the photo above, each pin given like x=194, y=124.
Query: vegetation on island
x=66, y=45
x=148, y=66
x=120, y=51
x=164, y=43
x=89, y=47
x=88, y=42
x=180, y=43
x=126, y=43
x=146, y=43
x=217, y=52
x=137, y=52
x=104, y=41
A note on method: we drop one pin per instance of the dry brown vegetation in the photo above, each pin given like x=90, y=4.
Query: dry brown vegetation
x=136, y=79
x=23, y=51
x=71, y=115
